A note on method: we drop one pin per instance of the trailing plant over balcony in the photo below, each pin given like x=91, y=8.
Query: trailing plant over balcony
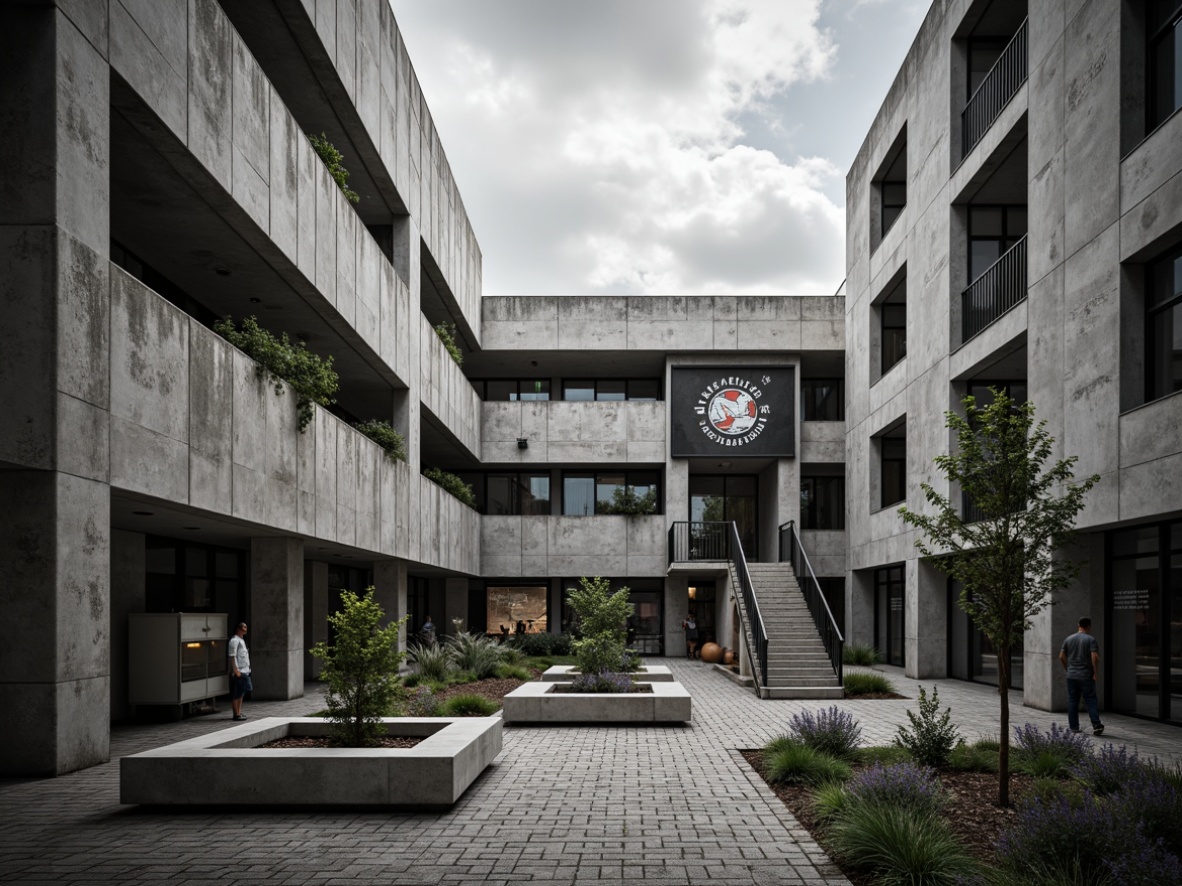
x=383, y=433
x=311, y=376
x=447, y=335
x=331, y=158
x=452, y=484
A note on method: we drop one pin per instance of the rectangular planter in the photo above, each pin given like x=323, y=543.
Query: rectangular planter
x=538, y=703
x=228, y=768
x=650, y=674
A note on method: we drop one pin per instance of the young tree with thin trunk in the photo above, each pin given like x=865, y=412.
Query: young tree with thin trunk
x=1005, y=559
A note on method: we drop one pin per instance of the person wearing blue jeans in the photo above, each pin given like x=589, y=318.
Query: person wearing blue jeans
x=1080, y=656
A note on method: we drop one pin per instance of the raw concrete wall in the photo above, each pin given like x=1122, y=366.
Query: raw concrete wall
x=445, y=391
x=565, y=546
x=558, y=432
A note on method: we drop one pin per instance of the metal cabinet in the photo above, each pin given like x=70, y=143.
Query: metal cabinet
x=177, y=657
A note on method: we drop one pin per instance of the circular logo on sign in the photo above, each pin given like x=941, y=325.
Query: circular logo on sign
x=731, y=411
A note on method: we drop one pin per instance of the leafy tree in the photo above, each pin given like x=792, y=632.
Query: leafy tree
x=361, y=670
x=1006, y=560
x=625, y=500
x=602, y=619
x=332, y=160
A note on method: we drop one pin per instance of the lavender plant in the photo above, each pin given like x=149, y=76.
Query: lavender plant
x=603, y=681
x=1109, y=770
x=903, y=784
x=830, y=731
x=1070, y=746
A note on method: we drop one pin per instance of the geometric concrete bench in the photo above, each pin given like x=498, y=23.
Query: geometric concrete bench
x=227, y=768
x=537, y=702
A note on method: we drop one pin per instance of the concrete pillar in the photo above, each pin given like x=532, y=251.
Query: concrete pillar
x=676, y=610
x=926, y=621
x=1044, y=684
x=390, y=592
x=406, y=245
x=128, y=569
x=315, y=614
x=55, y=386
x=859, y=608
x=276, y=637
x=455, y=604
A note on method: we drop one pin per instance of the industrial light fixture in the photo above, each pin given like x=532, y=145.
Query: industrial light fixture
x=254, y=300
x=523, y=443
x=144, y=513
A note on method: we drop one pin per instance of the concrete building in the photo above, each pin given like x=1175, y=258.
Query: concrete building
x=163, y=179
x=1014, y=217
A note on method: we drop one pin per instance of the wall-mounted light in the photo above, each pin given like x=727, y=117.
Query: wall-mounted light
x=523, y=443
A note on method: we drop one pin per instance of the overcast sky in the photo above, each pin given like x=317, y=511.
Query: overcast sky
x=657, y=147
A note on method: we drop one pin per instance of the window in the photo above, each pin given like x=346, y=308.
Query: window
x=822, y=502
x=889, y=603
x=1163, y=326
x=983, y=53
x=494, y=389
x=992, y=231
x=892, y=458
x=1165, y=59
x=894, y=333
x=822, y=399
x=505, y=493
x=889, y=186
x=729, y=498
x=610, y=492
x=888, y=316
x=609, y=389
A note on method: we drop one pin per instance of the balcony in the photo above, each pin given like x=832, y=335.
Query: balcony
x=999, y=86
x=998, y=289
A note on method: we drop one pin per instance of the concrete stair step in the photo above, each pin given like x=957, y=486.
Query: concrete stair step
x=802, y=692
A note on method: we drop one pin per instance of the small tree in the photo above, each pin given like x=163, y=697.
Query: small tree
x=1006, y=559
x=361, y=669
x=602, y=619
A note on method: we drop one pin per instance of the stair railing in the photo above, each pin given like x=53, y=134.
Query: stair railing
x=792, y=551
x=750, y=605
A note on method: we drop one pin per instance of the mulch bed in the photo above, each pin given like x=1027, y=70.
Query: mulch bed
x=493, y=689
x=565, y=689
x=972, y=809
x=309, y=741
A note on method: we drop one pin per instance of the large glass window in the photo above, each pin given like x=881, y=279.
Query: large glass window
x=822, y=502
x=992, y=231
x=190, y=577
x=1163, y=285
x=610, y=492
x=727, y=498
x=888, y=614
x=493, y=389
x=609, y=389
x=509, y=493
x=1165, y=59
x=971, y=656
x=513, y=610
x=822, y=399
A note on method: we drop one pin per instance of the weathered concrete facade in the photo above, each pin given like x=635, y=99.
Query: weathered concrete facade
x=1069, y=157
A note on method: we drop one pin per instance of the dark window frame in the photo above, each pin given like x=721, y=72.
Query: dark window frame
x=1006, y=240
x=1156, y=40
x=478, y=480
x=812, y=401
x=886, y=580
x=895, y=437
x=480, y=385
x=630, y=476
x=1154, y=388
x=629, y=397
x=810, y=512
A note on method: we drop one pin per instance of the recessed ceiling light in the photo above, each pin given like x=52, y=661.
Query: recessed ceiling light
x=222, y=271
x=254, y=300
x=144, y=513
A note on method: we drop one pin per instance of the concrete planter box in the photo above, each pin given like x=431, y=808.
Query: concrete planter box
x=651, y=674
x=538, y=703
x=227, y=767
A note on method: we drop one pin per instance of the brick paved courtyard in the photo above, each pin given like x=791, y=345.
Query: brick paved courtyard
x=562, y=805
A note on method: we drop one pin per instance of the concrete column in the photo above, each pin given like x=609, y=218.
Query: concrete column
x=926, y=621
x=390, y=591
x=315, y=614
x=676, y=609
x=276, y=638
x=1044, y=684
x=455, y=603
x=128, y=566
x=859, y=608
x=406, y=243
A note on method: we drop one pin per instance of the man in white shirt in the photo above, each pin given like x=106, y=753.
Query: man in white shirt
x=239, y=670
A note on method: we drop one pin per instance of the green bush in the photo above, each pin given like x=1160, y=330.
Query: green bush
x=977, y=757
x=476, y=653
x=796, y=763
x=900, y=846
x=1048, y=790
x=853, y=654
x=410, y=681
x=447, y=335
x=433, y=663
x=602, y=615
x=512, y=656
x=829, y=801
x=417, y=702
x=514, y=672
x=331, y=158
x=361, y=670
x=932, y=736
x=542, y=644
x=383, y=433
x=887, y=755
x=312, y=378
x=470, y=705
x=452, y=484
x=1044, y=764
x=856, y=683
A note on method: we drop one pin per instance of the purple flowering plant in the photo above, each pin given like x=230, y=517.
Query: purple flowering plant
x=902, y=784
x=831, y=731
x=603, y=681
x=1063, y=743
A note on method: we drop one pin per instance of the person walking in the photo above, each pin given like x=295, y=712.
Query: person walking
x=428, y=632
x=691, y=636
x=240, y=683
x=1080, y=657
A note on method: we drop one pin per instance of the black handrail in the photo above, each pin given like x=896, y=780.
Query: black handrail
x=1004, y=79
x=1002, y=286
x=696, y=541
x=792, y=551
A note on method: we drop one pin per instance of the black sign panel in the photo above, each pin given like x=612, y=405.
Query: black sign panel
x=740, y=412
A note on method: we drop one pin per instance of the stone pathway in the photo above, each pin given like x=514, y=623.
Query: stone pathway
x=560, y=806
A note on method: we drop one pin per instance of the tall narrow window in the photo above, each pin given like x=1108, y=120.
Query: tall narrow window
x=1165, y=59
x=888, y=334
x=822, y=399
x=1163, y=321
x=892, y=451
x=822, y=502
x=889, y=186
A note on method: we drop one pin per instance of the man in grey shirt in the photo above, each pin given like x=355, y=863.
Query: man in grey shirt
x=1080, y=656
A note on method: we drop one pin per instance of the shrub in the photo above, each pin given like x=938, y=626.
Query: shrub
x=543, y=644
x=903, y=784
x=603, y=681
x=514, y=672
x=1044, y=764
x=452, y=485
x=602, y=615
x=476, y=653
x=931, y=737
x=831, y=731
x=853, y=654
x=447, y=335
x=383, y=433
x=887, y=755
x=829, y=800
x=420, y=702
x=312, y=378
x=1109, y=770
x=972, y=758
x=1052, y=789
x=361, y=670
x=433, y=663
x=796, y=763
x=511, y=656
x=469, y=705
x=856, y=683
x=1057, y=745
x=895, y=845
x=1156, y=804
x=331, y=158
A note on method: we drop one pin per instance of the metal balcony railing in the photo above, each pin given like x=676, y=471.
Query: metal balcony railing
x=1008, y=73
x=997, y=290
x=969, y=512
x=792, y=551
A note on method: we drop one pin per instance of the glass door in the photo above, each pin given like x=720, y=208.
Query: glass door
x=728, y=498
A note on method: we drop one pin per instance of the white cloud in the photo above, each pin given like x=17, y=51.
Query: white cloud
x=599, y=147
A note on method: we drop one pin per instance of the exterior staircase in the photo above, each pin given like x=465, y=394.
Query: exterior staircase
x=797, y=664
